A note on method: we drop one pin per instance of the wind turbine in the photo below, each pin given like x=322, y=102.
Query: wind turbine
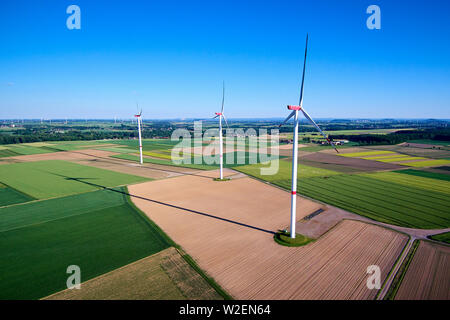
x=138, y=116
x=294, y=113
x=221, y=115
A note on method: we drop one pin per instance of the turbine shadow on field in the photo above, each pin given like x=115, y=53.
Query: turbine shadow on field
x=168, y=204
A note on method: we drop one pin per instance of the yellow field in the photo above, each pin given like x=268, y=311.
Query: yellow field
x=393, y=157
x=429, y=163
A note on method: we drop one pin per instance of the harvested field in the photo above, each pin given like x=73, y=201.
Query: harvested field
x=231, y=238
x=162, y=276
x=427, y=277
x=355, y=163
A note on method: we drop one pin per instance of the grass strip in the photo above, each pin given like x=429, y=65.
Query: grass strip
x=395, y=285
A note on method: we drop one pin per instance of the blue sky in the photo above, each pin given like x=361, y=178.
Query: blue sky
x=172, y=56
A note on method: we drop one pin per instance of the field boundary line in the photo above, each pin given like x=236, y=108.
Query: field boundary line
x=21, y=192
x=400, y=275
x=391, y=275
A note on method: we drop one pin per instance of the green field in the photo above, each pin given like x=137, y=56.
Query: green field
x=231, y=160
x=135, y=158
x=10, y=196
x=98, y=231
x=11, y=150
x=77, y=145
x=395, y=198
x=56, y=178
x=433, y=142
x=285, y=171
x=444, y=237
x=425, y=174
x=147, y=144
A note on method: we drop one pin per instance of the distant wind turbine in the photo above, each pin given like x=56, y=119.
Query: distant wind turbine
x=138, y=116
x=294, y=114
x=221, y=115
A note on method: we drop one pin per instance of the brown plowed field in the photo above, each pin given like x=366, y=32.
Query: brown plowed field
x=226, y=227
x=428, y=275
x=355, y=163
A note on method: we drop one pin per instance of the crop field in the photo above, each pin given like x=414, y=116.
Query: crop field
x=395, y=198
x=358, y=164
x=162, y=276
x=431, y=142
x=77, y=145
x=393, y=157
x=284, y=171
x=135, y=158
x=231, y=159
x=10, y=196
x=11, y=150
x=428, y=163
x=240, y=253
x=147, y=144
x=427, y=277
x=98, y=231
x=412, y=150
x=366, y=154
x=444, y=237
x=55, y=178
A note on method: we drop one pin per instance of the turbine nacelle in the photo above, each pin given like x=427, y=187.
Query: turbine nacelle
x=218, y=113
x=295, y=108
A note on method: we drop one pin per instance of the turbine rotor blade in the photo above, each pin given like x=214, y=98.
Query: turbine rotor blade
x=289, y=116
x=225, y=120
x=223, y=96
x=318, y=128
x=215, y=117
x=303, y=74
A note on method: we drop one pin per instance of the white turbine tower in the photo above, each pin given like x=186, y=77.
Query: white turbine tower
x=221, y=115
x=138, y=116
x=294, y=114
